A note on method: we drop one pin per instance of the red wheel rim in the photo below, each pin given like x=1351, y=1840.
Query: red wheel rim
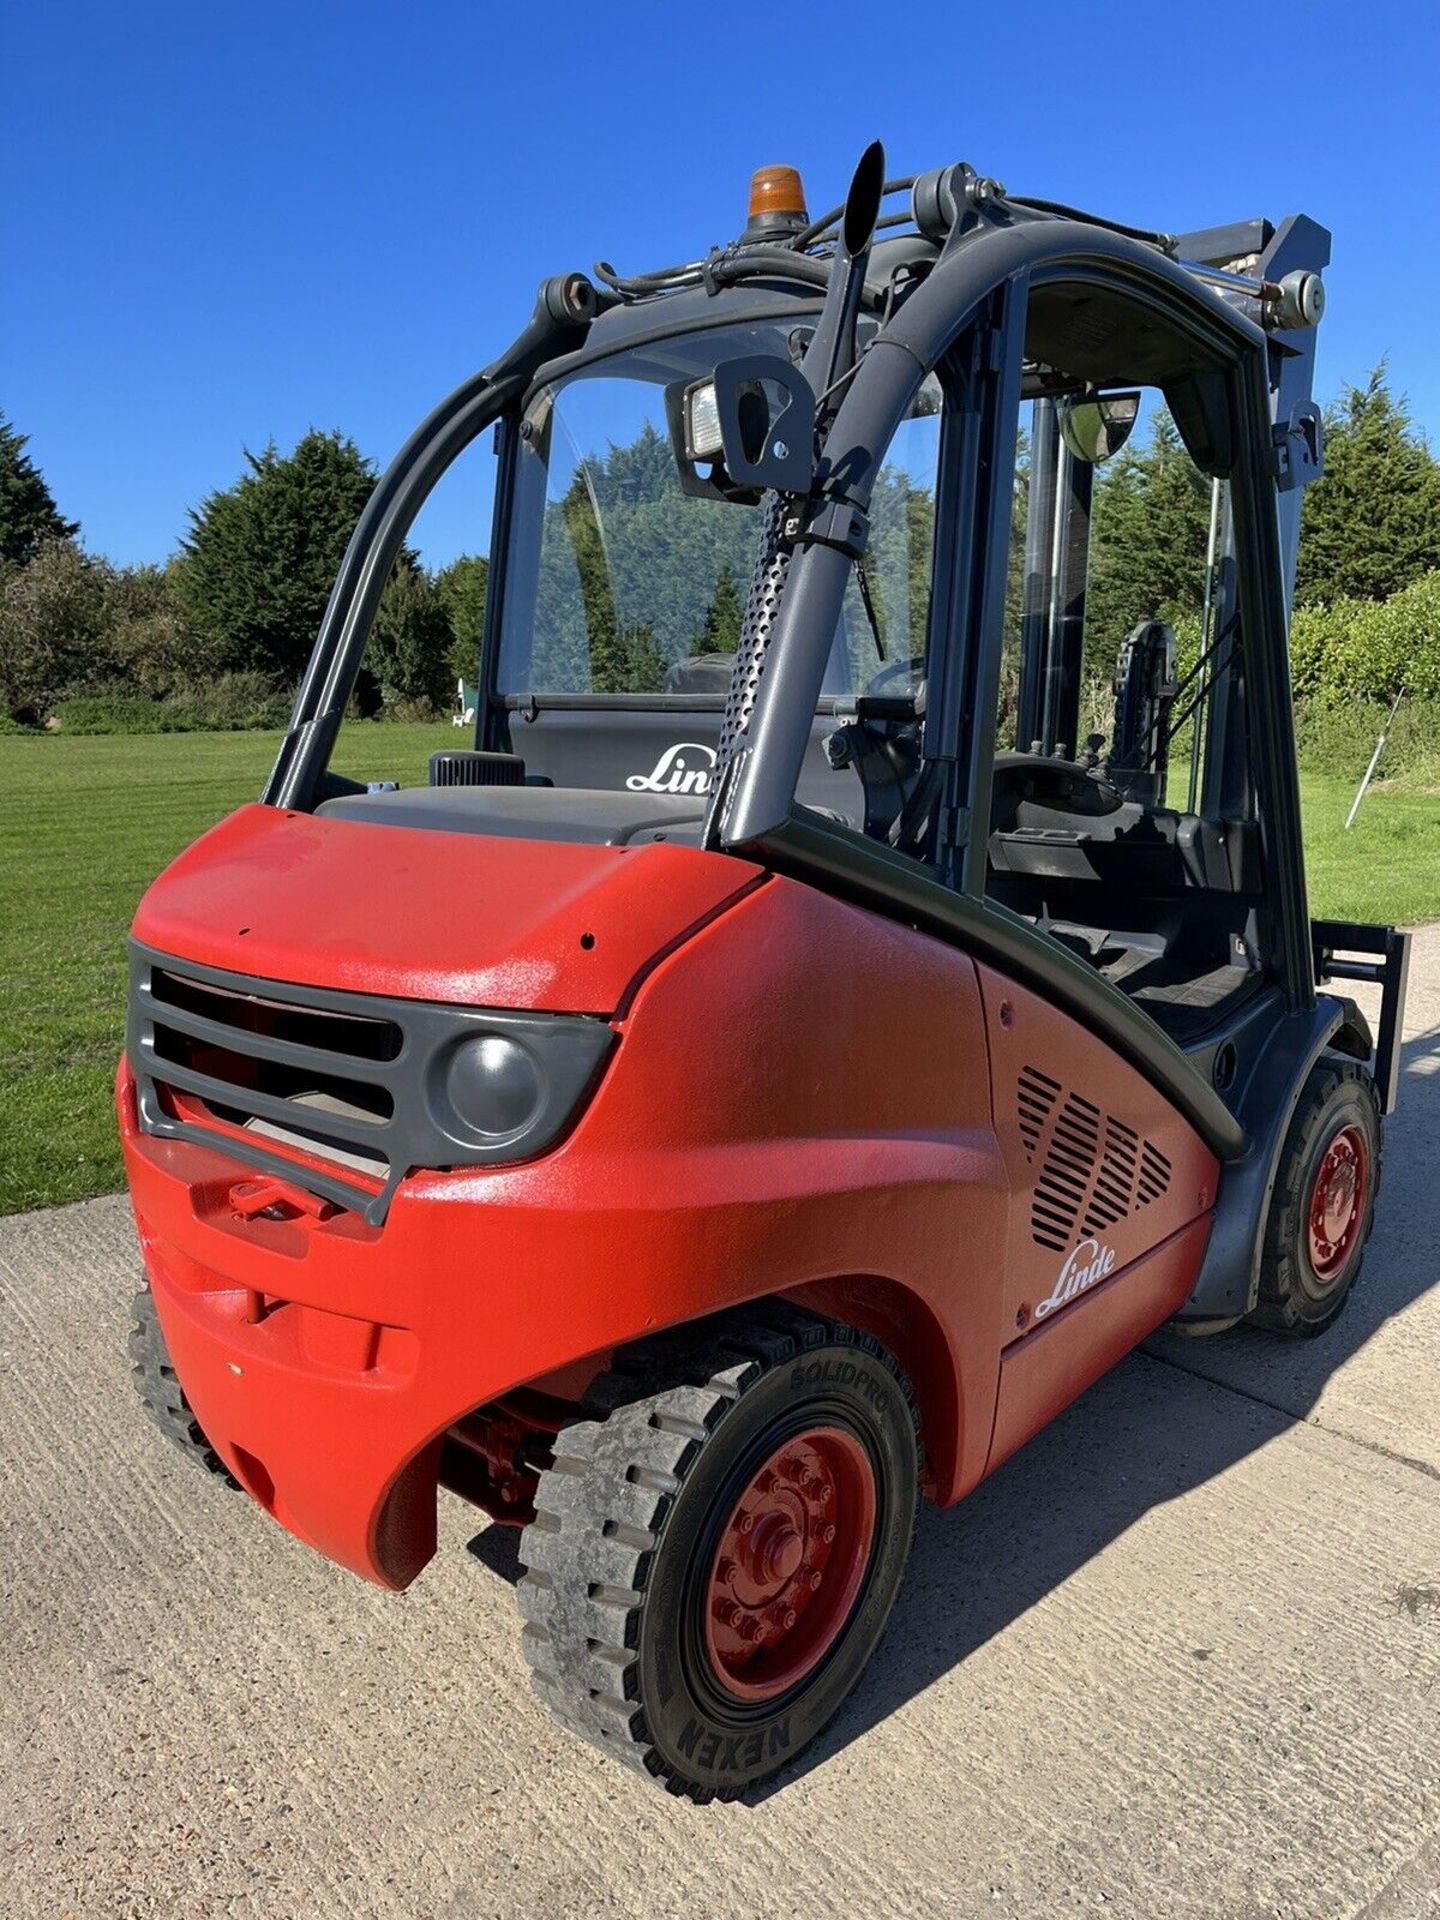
x=790, y=1561
x=1337, y=1203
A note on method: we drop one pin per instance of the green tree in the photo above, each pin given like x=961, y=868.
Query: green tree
x=1370, y=525
x=720, y=632
x=461, y=587
x=626, y=660
x=258, y=563
x=628, y=569
x=152, y=644
x=623, y=657
x=1150, y=525
x=53, y=629
x=28, y=513
x=409, y=646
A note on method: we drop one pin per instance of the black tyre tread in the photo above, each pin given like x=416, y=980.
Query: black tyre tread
x=600, y=1515
x=1274, y=1310
x=159, y=1389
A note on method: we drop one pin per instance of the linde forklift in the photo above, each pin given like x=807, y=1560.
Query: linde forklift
x=768, y=1076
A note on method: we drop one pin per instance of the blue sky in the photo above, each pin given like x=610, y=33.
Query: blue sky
x=221, y=225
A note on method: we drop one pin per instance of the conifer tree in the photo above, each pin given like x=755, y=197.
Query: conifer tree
x=461, y=586
x=1370, y=525
x=260, y=558
x=724, y=615
x=1149, y=530
x=28, y=514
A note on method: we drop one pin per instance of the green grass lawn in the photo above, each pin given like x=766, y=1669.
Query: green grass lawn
x=1387, y=868
x=89, y=822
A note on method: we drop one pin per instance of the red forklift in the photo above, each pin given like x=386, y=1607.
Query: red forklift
x=823, y=1022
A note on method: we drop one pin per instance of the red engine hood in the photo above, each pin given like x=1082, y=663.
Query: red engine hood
x=431, y=916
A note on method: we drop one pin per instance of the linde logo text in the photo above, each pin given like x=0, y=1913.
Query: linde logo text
x=1086, y=1267
x=677, y=771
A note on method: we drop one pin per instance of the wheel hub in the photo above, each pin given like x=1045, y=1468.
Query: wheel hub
x=1337, y=1203
x=789, y=1563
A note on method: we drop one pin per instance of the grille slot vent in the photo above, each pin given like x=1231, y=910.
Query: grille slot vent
x=314, y=1080
x=1154, y=1174
x=1094, y=1170
x=357, y=1036
x=1112, y=1196
x=1037, y=1096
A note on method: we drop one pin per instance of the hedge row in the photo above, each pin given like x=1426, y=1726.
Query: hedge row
x=230, y=702
x=1341, y=738
x=1369, y=650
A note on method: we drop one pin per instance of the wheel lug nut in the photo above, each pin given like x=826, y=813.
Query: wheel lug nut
x=784, y=1618
x=726, y=1570
x=747, y=1523
x=727, y=1613
x=813, y=1578
x=827, y=1534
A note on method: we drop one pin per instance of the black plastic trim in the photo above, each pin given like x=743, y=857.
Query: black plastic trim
x=1227, y=1284
x=527, y=703
x=423, y=1131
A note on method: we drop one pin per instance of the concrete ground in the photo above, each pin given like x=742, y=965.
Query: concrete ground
x=1180, y=1657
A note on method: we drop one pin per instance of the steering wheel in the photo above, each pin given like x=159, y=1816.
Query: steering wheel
x=885, y=684
x=896, y=692
x=1066, y=785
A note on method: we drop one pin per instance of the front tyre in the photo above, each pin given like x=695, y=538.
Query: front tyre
x=160, y=1392
x=1323, y=1205
x=718, y=1544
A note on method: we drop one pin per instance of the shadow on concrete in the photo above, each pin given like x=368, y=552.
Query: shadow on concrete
x=1150, y=1431
x=498, y=1548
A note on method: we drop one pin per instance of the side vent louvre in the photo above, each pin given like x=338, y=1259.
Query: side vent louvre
x=1113, y=1195
x=1154, y=1174
x=1094, y=1169
x=1038, y=1093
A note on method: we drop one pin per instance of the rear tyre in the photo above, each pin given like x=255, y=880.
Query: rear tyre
x=1323, y=1206
x=159, y=1390
x=717, y=1547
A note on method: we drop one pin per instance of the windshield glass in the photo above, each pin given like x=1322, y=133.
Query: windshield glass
x=617, y=582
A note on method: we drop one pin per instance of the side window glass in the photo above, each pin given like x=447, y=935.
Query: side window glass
x=418, y=685
x=1113, y=607
x=1120, y=821
x=901, y=547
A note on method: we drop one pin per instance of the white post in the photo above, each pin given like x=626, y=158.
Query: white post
x=1374, y=762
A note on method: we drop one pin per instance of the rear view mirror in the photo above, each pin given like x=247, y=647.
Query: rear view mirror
x=751, y=423
x=1098, y=425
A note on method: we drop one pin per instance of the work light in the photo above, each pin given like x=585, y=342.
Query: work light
x=703, y=438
